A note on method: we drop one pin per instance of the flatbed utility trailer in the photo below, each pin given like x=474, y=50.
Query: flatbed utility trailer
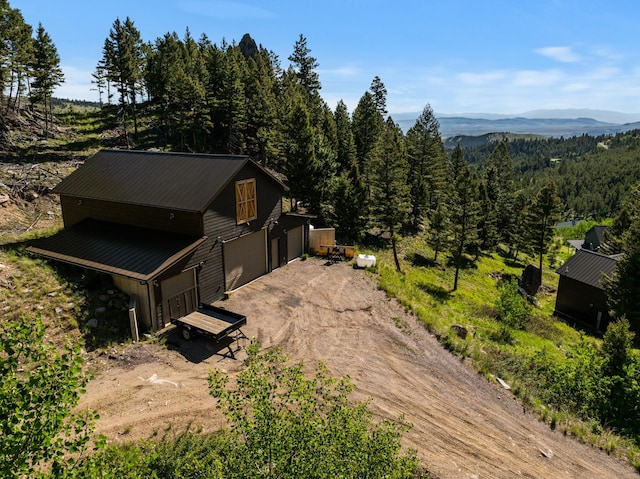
x=211, y=322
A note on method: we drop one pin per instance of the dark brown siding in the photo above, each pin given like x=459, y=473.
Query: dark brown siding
x=581, y=302
x=220, y=221
x=75, y=210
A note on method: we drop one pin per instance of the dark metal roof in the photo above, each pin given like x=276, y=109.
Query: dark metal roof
x=129, y=251
x=179, y=181
x=589, y=267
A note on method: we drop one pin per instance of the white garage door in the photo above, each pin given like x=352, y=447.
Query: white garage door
x=294, y=243
x=245, y=259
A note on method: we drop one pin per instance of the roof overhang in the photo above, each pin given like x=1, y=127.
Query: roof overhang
x=132, y=252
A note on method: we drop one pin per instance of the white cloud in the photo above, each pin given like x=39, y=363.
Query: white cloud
x=77, y=85
x=559, y=54
x=536, y=78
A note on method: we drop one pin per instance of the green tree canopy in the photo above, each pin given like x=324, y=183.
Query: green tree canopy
x=389, y=190
x=465, y=210
x=289, y=425
x=542, y=216
x=427, y=166
x=623, y=288
x=39, y=389
x=46, y=72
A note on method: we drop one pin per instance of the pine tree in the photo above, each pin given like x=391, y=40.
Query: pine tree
x=427, y=166
x=542, y=216
x=389, y=190
x=517, y=238
x=124, y=63
x=46, y=72
x=348, y=213
x=367, y=125
x=464, y=210
x=263, y=129
x=16, y=53
x=346, y=148
x=439, y=229
x=623, y=289
x=379, y=93
x=304, y=65
x=487, y=226
x=305, y=177
x=500, y=188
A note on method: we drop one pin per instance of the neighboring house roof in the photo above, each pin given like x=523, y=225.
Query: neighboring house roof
x=577, y=244
x=595, y=237
x=178, y=181
x=120, y=250
x=589, y=267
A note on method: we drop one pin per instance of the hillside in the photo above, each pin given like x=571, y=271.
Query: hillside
x=558, y=123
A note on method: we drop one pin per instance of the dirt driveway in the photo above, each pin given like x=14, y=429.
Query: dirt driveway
x=464, y=425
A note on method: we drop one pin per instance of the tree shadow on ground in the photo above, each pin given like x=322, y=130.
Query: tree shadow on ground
x=465, y=263
x=418, y=260
x=436, y=292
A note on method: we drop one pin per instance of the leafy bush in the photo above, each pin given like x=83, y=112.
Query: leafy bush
x=513, y=309
x=39, y=389
x=286, y=425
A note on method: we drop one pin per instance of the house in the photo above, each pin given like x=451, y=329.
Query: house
x=581, y=292
x=593, y=239
x=169, y=224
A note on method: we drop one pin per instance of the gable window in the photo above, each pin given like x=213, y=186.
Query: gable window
x=246, y=202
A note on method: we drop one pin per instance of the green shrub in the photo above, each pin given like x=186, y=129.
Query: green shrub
x=513, y=309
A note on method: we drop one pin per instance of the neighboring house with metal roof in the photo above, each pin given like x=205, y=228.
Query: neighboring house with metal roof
x=169, y=225
x=594, y=238
x=581, y=292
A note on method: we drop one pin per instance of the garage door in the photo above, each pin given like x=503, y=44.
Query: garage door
x=245, y=259
x=294, y=243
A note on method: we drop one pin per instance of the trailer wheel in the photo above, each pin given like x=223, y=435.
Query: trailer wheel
x=186, y=334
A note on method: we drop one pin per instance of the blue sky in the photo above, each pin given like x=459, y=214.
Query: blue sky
x=459, y=56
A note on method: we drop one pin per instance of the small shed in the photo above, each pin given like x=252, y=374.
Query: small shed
x=581, y=292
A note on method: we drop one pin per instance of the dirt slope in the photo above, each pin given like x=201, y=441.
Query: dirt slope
x=464, y=426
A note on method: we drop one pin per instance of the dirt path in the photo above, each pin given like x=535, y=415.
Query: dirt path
x=464, y=426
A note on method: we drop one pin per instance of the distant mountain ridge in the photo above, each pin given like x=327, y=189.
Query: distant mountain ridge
x=551, y=123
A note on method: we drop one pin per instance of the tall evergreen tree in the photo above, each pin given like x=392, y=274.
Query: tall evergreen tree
x=500, y=188
x=16, y=53
x=517, y=240
x=303, y=168
x=305, y=65
x=263, y=129
x=622, y=222
x=348, y=212
x=349, y=193
x=487, y=226
x=464, y=210
x=389, y=189
x=124, y=63
x=427, y=166
x=367, y=125
x=346, y=147
x=623, y=289
x=439, y=229
x=542, y=216
x=46, y=72
x=379, y=93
